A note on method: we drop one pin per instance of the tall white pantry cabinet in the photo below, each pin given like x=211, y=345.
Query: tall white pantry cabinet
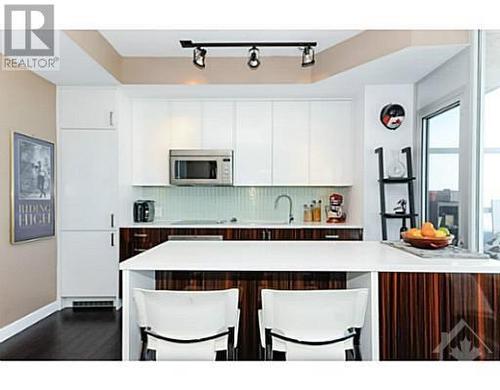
x=88, y=194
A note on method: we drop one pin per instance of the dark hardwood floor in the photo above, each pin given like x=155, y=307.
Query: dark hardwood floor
x=89, y=334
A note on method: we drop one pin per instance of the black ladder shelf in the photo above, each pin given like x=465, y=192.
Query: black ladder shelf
x=383, y=181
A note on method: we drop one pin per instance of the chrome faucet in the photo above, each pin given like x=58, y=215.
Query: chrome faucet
x=290, y=215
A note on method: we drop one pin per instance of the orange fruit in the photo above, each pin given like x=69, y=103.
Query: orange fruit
x=428, y=230
x=414, y=233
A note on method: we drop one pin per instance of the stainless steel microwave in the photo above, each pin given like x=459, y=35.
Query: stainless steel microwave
x=206, y=167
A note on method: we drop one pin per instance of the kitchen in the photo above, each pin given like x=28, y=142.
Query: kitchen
x=200, y=163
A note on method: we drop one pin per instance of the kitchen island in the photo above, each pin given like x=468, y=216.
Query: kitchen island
x=418, y=308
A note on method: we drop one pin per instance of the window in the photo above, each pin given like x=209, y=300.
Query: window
x=490, y=149
x=440, y=200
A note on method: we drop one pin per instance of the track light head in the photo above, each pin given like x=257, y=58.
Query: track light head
x=199, y=57
x=308, y=56
x=253, y=58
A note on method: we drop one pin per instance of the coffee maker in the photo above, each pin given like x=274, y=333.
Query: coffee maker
x=144, y=211
x=334, y=210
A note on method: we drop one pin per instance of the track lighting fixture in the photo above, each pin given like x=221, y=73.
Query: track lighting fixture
x=199, y=57
x=253, y=58
x=199, y=52
x=307, y=56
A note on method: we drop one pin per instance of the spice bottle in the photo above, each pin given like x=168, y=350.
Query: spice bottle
x=307, y=213
x=316, y=212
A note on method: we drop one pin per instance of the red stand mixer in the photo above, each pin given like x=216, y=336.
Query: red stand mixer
x=334, y=211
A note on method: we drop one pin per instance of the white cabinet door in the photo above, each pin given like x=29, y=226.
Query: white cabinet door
x=253, y=143
x=89, y=264
x=217, y=124
x=331, y=153
x=185, y=125
x=291, y=143
x=87, y=108
x=88, y=188
x=150, y=142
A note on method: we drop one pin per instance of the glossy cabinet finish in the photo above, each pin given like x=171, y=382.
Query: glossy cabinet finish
x=428, y=316
x=291, y=143
x=89, y=266
x=185, y=122
x=87, y=108
x=299, y=142
x=150, y=142
x=88, y=162
x=253, y=143
x=331, y=155
x=217, y=125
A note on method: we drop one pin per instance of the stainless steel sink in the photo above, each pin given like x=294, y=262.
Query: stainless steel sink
x=200, y=222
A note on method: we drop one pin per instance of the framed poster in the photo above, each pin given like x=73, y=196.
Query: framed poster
x=32, y=189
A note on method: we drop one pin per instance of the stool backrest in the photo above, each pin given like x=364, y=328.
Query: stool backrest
x=186, y=315
x=314, y=315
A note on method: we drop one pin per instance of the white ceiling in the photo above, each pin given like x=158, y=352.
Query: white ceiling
x=404, y=67
x=165, y=43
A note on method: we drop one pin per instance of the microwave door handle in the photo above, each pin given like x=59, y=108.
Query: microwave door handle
x=177, y=169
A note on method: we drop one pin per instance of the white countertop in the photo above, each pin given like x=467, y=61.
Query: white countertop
x=244, y=225
x=341, y=256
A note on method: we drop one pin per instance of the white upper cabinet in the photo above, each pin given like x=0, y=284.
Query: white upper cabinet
x=185, y=122
x=87, y=108
x=291, y=143
x=217, y=125
x=88, y=188
x=253, y=143
x=295, y=143
x=331, y=147
x=150, y=142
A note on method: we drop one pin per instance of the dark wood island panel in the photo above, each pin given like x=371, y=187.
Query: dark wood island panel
x=439, y=316
x=250, y=285
x=137, y=240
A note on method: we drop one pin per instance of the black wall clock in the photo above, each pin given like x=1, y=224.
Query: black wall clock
x=392, y=116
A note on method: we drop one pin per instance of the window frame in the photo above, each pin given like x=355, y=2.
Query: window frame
x=427, y=113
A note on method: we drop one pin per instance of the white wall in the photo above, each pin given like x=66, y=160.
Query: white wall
x=355, y=195
x=375, y=135
x=447, y=79
x=448, y=83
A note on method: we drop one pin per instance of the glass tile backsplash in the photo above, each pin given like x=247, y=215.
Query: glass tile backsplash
x=224, y=203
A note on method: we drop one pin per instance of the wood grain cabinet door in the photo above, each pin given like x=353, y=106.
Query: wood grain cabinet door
x=430, y=316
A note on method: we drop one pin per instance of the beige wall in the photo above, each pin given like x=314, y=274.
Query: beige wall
x=28, y=273
x=358, y=50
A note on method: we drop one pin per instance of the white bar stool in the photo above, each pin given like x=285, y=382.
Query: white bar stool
x=312, y=324
x=187, y=325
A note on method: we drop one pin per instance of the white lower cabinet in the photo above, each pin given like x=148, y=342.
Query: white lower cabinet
x=89, y=266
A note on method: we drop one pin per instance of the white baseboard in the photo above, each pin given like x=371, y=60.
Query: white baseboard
x=22, y=323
